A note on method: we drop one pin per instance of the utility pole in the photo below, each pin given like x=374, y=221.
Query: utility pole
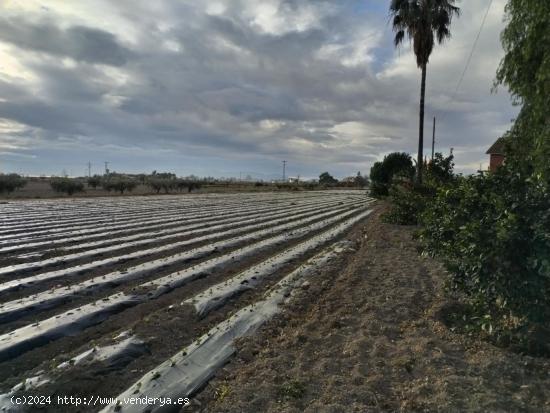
x=106, y=168
x=433, y=140
x=284, y=170
x=89, y=169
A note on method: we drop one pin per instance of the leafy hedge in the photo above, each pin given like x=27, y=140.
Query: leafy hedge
x=493, y=233
x=409, y=199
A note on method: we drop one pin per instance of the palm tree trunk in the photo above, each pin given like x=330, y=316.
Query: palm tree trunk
x=420, y=159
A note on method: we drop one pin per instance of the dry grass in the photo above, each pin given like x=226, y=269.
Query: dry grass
x=366, y=337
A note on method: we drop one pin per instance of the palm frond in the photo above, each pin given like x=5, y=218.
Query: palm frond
x=399, y=37
x=424, y=22
x=443, y=33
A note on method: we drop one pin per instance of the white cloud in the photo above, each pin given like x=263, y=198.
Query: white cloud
x=241, y=80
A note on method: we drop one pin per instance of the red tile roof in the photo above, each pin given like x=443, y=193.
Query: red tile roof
x=497, y=148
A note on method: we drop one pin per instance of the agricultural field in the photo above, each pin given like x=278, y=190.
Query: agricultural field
x=144, y=296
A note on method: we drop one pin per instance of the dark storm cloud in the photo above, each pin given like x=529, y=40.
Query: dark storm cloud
x=77, y=42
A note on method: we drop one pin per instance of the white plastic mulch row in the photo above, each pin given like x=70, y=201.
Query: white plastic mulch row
x=72, y=321
x=102, y=219
x=81, y=269
x=157, y=223
x=139, y=206
x=61, y=214
x=132, y=223
x=64, y=259
x=50, y=298
x=92, y=224
x=217, y=295
x=99, y=229
x=60, y=211
x=18, y=209
x=187, y=371
x=214, y=219
x=123, y=349
x=67, y=208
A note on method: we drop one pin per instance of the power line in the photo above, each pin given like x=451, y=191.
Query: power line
x=468, y=61
x=474, y=46
x=433, y=140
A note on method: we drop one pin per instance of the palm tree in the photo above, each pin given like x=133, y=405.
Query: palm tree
x=423, y=21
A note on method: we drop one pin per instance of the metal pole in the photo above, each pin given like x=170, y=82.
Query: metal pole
x=433, y=140
x=284, y=170
x=89, y=169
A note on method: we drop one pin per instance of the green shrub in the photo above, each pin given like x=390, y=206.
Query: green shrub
x=408, y=199
x=360, y=181
x=440, y=170
x=67, y=186
x=181, y=185
x=378, y=190
x=157, y=184
x=493, y=233
x=327, y=179
x=11, y=182
x=94, y=181
x=309, y=186
x=119, y=184
x=190, y=185
x=395, y=165
x=407, y=203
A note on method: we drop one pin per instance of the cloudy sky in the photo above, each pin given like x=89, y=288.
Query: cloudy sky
x=224, y=87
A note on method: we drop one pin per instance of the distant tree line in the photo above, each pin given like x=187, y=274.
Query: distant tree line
x=167, y=182
x=11, y=182
x=327, y=180
x=67, y=185
x=114, y=182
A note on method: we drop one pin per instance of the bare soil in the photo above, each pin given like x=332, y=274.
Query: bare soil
x=368, y=337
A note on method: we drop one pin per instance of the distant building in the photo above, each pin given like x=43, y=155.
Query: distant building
x=496, y=154
x=348, y=180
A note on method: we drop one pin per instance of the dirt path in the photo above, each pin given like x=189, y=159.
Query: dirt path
x=368, y=338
